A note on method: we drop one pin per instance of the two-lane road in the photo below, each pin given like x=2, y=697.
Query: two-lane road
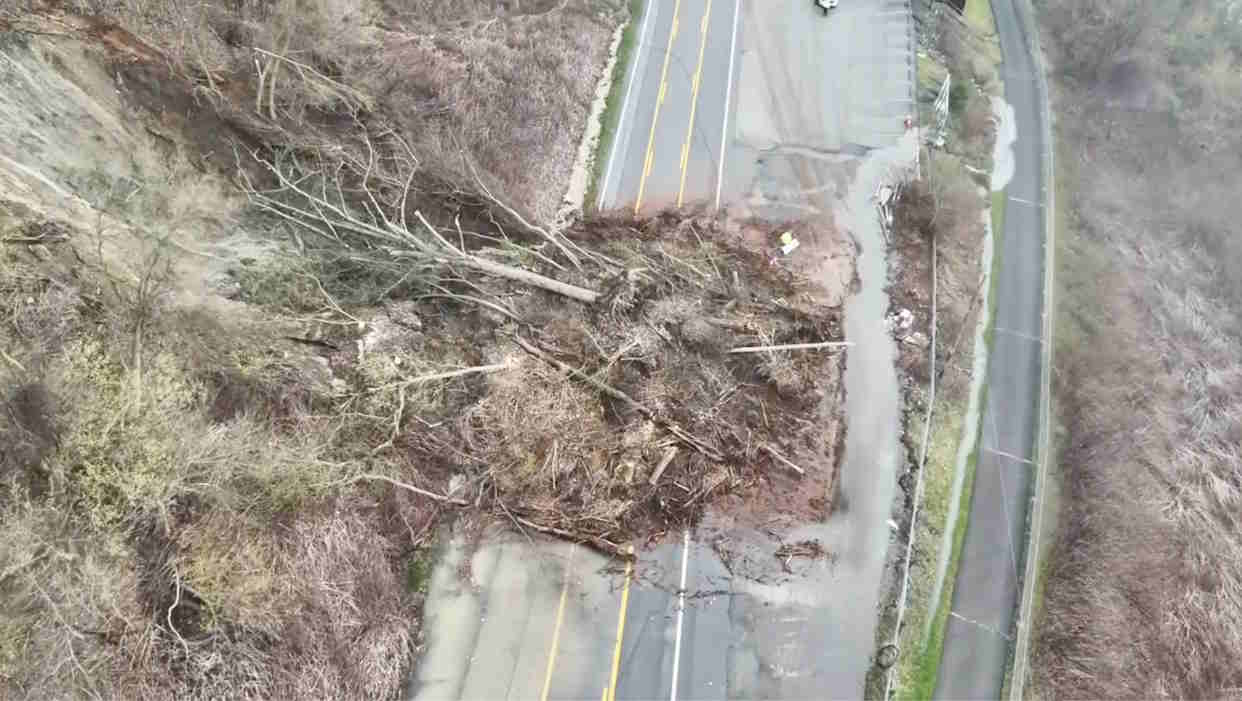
x=669, y=137
x=770, y=108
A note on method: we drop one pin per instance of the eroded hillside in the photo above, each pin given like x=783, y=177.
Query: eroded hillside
x=277, y=299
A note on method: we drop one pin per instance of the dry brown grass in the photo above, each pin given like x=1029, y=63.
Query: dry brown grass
x=142, y=555
x=184, y=490
x=1144, y=592
x=511, y=83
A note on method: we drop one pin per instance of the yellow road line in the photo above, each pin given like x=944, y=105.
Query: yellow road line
x=694, y=103
x=668, y=53
x=556, y=631
x=611, y=690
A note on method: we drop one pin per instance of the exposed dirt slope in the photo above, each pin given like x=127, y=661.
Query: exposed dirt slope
x=234, y=406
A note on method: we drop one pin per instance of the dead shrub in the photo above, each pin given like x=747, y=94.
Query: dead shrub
x=1090, y=36
x=977, y=120
x=522, y=423
x=28, y=433
x=703, y=335
x=67, y=595
x=38, y=311
x=1144, y=591
x=513, y=88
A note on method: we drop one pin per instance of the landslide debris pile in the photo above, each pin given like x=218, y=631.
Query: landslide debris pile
x=255, y=343
x=586, y=385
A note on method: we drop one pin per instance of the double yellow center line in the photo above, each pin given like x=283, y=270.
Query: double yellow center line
x=610, y=690
x=694, y=100
x=556, y=632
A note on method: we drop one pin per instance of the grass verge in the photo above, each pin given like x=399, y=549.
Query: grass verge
x=937, y=495
x=998, y=236
x=979, y=17
x=614, y=102
x=926, y=665
x=999, y=201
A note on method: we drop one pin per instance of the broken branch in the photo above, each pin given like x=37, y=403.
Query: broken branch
x=564, y=367
x=792, y=346
x=629, y=401
x=443, y=376
x=8, y=358
x=508, y=272
x=602, y=544
x=408, y=487
x=781, y=459
x=669, y=454
x=556, y=241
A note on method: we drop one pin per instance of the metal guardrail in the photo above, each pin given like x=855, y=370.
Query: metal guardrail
x=1017, y=682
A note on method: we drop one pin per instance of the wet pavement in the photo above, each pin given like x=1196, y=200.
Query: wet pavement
x=669, y=135
x=977, y=640
x=814, y=127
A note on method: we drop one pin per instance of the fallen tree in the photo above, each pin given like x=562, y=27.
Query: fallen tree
x=648, y=366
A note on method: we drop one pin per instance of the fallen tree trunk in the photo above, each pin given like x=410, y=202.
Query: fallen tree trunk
x=409, y=487
x=602, y=544
x=669, y=454
x=507, y=271
x=793, y=346
x=526, y=277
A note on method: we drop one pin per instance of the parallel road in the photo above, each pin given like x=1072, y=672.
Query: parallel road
x=979, y=635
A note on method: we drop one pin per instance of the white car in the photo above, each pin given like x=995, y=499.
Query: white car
x=825, y=5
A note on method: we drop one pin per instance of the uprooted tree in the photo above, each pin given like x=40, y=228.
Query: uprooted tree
x=597, y=394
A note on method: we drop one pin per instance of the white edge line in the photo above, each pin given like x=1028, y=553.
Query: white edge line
x=724, y=132
x=681, y=613
x=1017, y=682
x=648, y=10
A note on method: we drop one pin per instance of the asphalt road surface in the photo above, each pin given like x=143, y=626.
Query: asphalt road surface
x=787, y=102
x=670, y=131
x=977, y=642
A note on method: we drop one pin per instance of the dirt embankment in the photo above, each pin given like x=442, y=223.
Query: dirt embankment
x=259, y=332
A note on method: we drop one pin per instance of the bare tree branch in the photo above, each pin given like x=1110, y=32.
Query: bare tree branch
x=793, y=346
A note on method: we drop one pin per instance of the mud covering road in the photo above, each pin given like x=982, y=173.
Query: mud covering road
x=814, y=108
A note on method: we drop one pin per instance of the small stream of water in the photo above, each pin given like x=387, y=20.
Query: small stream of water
x=858, y=532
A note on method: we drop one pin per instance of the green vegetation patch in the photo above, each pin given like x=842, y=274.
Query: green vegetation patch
x=614, y=102
x=927, y=667
x=937, y=496
x=979, y=17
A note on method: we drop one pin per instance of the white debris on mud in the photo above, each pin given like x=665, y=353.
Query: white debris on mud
x=1002, y=149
